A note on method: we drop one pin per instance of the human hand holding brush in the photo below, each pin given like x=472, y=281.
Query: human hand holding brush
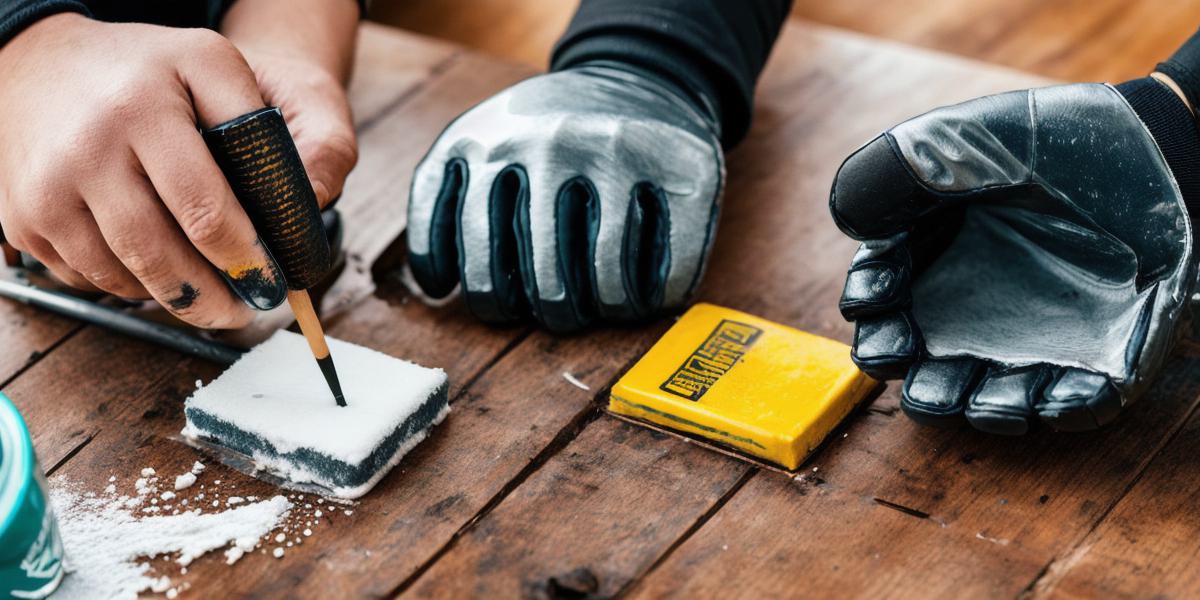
x=106, y=179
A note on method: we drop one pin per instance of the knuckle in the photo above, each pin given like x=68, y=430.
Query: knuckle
x=125, y=99
x=148, y=266
x=209, y=43
x=204, y=222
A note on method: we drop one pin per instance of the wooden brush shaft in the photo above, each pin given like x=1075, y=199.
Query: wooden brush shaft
x=259, y=158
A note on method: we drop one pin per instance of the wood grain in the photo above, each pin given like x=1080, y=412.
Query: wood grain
x=1078, y=40
x=775, y=218
x=27, y=335
x=518, y=30
x=1147, y=546
x=527, y=489
x=985, y=513
x=599, y=512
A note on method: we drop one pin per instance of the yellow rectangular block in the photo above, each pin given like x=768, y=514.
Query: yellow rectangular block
x=771, y=391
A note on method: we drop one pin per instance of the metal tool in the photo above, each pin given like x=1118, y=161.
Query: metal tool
x=120, y=321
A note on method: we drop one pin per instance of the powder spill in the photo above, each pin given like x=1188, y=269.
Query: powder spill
x=105, y=543
x=185, y=481
x=112, y=540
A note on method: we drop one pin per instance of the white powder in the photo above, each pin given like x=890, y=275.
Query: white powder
x=185, y=481
x=278, y=552
x=197, y=468
x=234, y=500
x=168, y=495
x=106, y=544
x=110, y=489
x=147, y=472
x=381, y=391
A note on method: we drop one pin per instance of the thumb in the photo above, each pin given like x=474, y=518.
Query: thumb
x=324, y=134
x=951, y=153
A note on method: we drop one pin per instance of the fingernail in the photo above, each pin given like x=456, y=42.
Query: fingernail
x=262, y=286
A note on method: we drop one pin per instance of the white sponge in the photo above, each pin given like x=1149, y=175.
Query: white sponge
x=274, y=406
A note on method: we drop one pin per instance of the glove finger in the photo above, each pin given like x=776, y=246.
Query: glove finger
x=951, y=153
x=1003, y=400
x=437, y=191
x=874, y=193
x=886, y=346
x=1079, y=400
x=556, y=233
x=487, y=243
x=646, y=251
x=878, y=279
x=937, y=389
x=631, y=250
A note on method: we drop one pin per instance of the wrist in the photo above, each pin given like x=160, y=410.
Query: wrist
x=319, y=32
x=39, y=37
x=16, y=16
x=1164, y=111
x=1174, y=87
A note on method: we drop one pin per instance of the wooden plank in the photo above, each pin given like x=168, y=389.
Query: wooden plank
x=953, y=514
x=389, y=64
x=979, y=514
x=518, y=30
x=1082, y=40
x=1147, y=546
x=599, y=512
x=1078, y=40
x=775, y=218
x=28, y=334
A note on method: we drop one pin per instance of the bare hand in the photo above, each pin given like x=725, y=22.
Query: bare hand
x=104, y=177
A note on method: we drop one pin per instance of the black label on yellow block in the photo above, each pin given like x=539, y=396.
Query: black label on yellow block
x=714, y=358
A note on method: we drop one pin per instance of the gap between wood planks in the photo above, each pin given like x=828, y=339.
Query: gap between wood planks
x=564, y=436
x=37, y=356
x=687, y=534
x=1053, y=571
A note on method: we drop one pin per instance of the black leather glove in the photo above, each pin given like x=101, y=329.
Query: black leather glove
x=1025, y=253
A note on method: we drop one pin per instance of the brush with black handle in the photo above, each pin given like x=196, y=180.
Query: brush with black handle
x=258, y=156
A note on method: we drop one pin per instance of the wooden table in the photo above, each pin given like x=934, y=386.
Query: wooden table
x=530, y=489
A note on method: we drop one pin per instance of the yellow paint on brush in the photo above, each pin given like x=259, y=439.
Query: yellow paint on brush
x=239, y=271
x=771, y=391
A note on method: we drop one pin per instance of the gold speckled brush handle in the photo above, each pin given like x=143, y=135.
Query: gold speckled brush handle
x=260, y=161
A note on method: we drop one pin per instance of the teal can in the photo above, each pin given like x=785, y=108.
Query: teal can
x=31, y=550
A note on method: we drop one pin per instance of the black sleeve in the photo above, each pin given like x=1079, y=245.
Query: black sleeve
x=16, y=15
x=714, y=49
x=1184, y=68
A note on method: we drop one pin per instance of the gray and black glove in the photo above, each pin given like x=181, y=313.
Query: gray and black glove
x=590, y=193
x=1029, y=253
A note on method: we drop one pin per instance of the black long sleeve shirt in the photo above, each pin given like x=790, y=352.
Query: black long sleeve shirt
x=715, y=49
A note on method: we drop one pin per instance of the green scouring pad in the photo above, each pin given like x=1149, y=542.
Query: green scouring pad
x=273, y=407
